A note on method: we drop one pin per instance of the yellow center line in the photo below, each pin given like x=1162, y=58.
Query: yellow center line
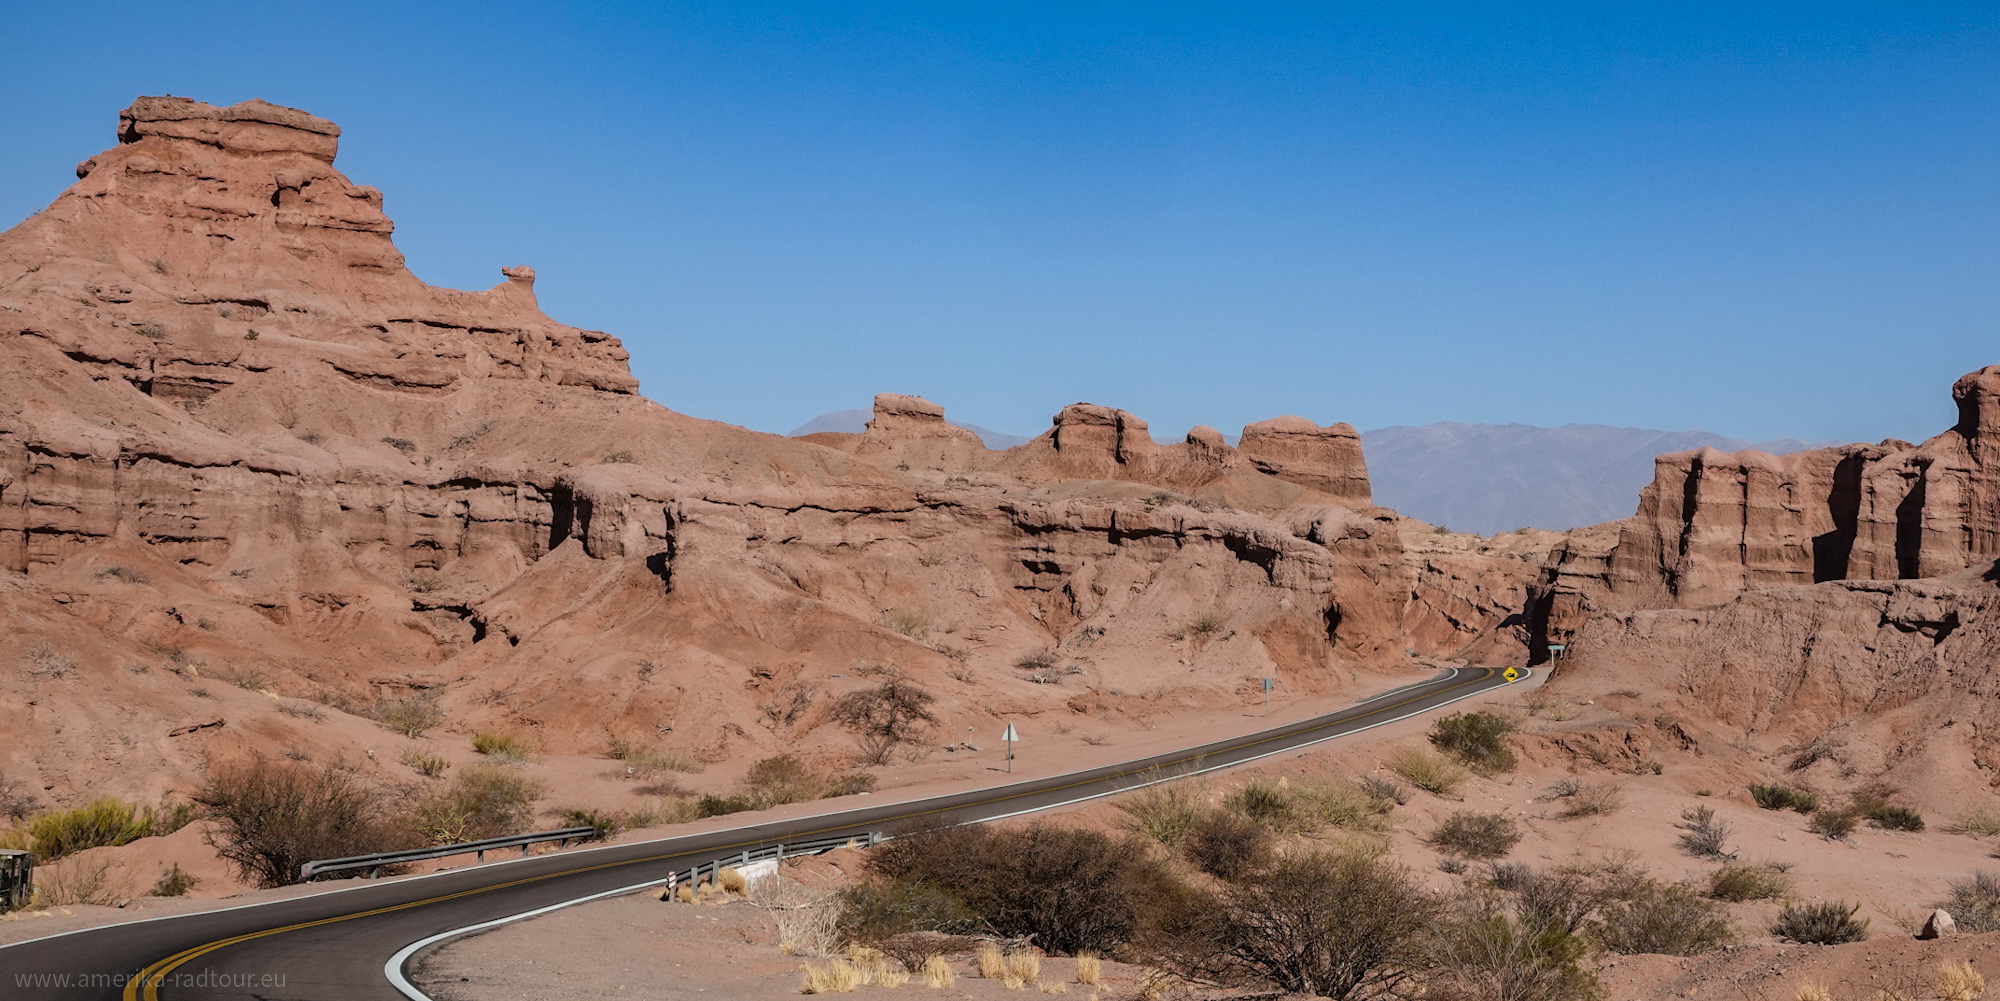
x=147, y=985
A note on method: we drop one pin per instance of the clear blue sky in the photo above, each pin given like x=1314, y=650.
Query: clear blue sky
x=1756, y=220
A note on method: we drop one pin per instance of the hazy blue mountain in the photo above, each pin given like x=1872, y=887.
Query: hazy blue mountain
x=856, y=421
x=1491, y=478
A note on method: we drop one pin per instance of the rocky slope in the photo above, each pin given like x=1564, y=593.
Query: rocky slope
x=239, y=441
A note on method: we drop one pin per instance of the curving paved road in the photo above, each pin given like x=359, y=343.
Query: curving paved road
x=335, y=946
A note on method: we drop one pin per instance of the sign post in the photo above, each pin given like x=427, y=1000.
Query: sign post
x=1010, y=737
x=1267, y=696
x=1511, y=675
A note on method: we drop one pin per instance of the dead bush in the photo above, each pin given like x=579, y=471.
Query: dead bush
x=16, y=801
x=894, y=712
x=1975, y=902
x=1226, y=845
x=1337, y=925
x=1737, y=883
x=272, y=817
x=97, y=882
x=48, y=662
x=1703, y=836
x=408, y=716
x=1483, y=953
x=1474, y=835
x=1656, y=917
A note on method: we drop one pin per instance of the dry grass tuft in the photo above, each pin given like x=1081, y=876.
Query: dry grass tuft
x=1054, y=987
x=1959, y=981
x=938, y=973
x=1978, y=823
x=1089, y=971
x=1024, y=964
x=837, y=976
x=1811, y=990
x=1427, y=770
x=989, y=961
x=430, y=766
x=909, y=622
x=731, y=880
x=502, y=747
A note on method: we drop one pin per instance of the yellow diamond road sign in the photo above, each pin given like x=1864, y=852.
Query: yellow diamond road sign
x=1512, y=675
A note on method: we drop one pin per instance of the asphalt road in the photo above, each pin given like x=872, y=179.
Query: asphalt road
x=333, y=946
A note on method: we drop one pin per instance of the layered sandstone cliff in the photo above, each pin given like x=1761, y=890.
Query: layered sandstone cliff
x=239, y=440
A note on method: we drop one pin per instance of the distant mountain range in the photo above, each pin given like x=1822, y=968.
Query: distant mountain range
x=1491, y=478
x=856, y=421
x=1484, y=478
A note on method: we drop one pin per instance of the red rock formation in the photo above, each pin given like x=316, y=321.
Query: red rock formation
x=236, y=434
x=1327, y=459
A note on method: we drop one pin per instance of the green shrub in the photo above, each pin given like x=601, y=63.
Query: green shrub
x=1659, y=918
x=1737, y=883
x=1476, y=835
x=604, y=826
x=429, y=766
x=484, y=801
x=1830, y=923
x=174, y=882
x=1896, y=818
x=1479, y=739
x=1164, y=810
x=409, y=717
x=103, y=822
x=1778, y=797
x=712, y=805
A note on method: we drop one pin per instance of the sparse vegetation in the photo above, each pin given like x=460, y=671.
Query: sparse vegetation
x=1703, y=836
x=409, y=716
x=404, y=445
x=429, y=766
x=876, y=911
x=1975, y=902
x=1872, y=802
x=1828, y=923
x=604, y=826
x=894, y=712
x=1164, y=810
x=174, y=882
x=1039, y=660
x=1478, y=739
x=1227, y=845
x=1310, y=804
x=1207, y=624
x=1648, y=916
x=482, y=801
x=783, y=779
x=1427, y=770
x=1383, y=789
x=92, y=882
x=48, y=662
x=478, y=432
x=1737, y=883
x=909, y=622
x=1778, y=797
x=272, y=817
x=1958, y=980
x=1474, y=835
x=16, y=802
x=502, y=747
x=1581, y=799
x=645, y=763
x=1831, y=824
x=1978, y=823
x=120, y=572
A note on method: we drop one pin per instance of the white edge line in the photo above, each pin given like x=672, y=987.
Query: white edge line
x=370, y=884
x=393, y=969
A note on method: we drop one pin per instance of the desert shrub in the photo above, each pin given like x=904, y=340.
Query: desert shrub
x=1896, y=818
x=400, y=444
x=1737, y=883
x=782, y=779
x=1581, y=799
x=1978, y=823
x=712, y=805
x=1561, y=899
x=1703, y=836
x=873, y=911
x=1452, y=865
x=1226, y=845
x=48, y=662
x=1510, y=876
x=102, y=822
x=850, y=784
x=659, y=812
x=835, y=976
x=1473, y=835
x=909, y=622
x=1338, y=803
x=1959, y=980
x=1431, y=772
x=1975, y=902
x=272, y=817
x=502, y=747
x=891, y=713
x=174, y=882
x=1266, y=801
x=1483, y=953
x=642, y=763
x=1338, y=925
x=1831, y=824
x=1383, y=789
x=95, y=882
x=483, y=801
x=1071, y=889
x=408, y=716
x=1479, y=739
x=1207, y=624
x=1164, y=810
x=1828, y=923
x=429, y=766
x=604, y=826
x=1660, y=918
x=1039, y=660
x=16, y=800
x=1821, y=748
x=1778, y=797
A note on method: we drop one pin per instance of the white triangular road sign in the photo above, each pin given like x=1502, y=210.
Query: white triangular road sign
x=1010, y=736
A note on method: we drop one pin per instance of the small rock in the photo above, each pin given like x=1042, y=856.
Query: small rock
x=1938, y=925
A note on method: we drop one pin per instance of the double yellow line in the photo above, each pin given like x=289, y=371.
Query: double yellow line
x=146, y=987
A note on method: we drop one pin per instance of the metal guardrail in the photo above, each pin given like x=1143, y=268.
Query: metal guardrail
x=374, y=863
x=743, y=858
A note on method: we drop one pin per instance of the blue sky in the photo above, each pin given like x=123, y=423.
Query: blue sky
x=1780, y=221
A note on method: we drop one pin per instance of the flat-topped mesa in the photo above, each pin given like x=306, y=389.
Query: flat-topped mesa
x=1714, y=524
x=254, y=126
x=1327, y=459
x=912, y=431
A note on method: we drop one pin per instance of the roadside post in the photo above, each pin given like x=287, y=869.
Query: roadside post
x=1267, y=696
x=1010, y=737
